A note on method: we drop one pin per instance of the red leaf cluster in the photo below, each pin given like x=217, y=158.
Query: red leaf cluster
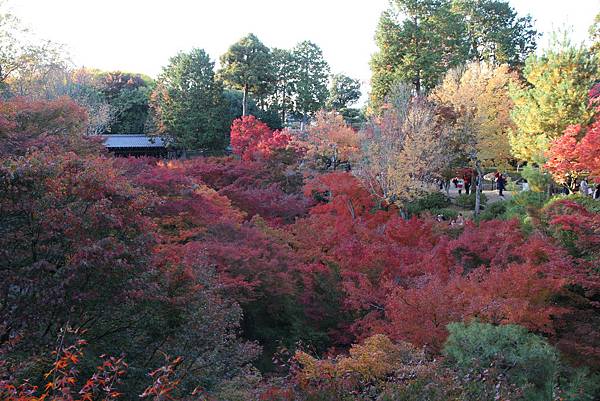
x=251, y=139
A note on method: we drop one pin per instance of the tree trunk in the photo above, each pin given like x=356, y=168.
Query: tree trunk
x=283, y=110
x=245, y=100
x=478, y=188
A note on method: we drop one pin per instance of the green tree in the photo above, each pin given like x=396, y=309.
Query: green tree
x=555, y=96
x=495, y=33
x=284, y=84
x=247, y=66
x=418, y=42
x=502, y=353
x=188, y=103
x=128, y=96
x=233, y=101
x=343, y=92
x=311, y=73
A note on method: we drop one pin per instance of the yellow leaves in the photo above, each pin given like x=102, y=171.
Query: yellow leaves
x=376, y=358
x=479, y=95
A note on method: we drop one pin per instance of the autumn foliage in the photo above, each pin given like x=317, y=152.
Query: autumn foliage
x=225, y=263
x=252, y=139
x=575, y=153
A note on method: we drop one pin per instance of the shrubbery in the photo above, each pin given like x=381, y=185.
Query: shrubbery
x=468, y=201
x=430, y=202
x=502, y=359
x=494, y=211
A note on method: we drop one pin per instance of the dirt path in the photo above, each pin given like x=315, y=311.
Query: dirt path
x=492, y=196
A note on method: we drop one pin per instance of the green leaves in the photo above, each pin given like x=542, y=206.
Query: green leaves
x=420, y=40
x=343, y=92
x=189, y=103
x=506, y=352
x=247, y=65
x=311, y=73
x=554, y=97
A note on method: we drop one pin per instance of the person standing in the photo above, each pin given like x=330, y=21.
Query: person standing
x=501, y=183
x=467, y=179
x=584, y=187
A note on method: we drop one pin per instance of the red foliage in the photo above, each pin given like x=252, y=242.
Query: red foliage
x=409, y=279
x=252, y=139
x=576, y=151
x=67, y=224
x=196, y=218
x=57, y=123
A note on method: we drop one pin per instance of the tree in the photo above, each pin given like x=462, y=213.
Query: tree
x=554, y=97
x=128, y=96
x=311, y=73
x=247, y=66
x=494, y=32
x=526, y=361
x=343, y=92
x=58, y=124
x=406, y=149
x=595, y=35
x=331, y=141
x=284, y=86
x=418, y=42
x=252, y=139
x=478, y=95
x=24, y=59
x=234, y=99
x=188, y=102
x=574, y=154
x=69, y=225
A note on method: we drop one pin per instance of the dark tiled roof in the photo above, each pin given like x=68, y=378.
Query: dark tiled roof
x=132, y=141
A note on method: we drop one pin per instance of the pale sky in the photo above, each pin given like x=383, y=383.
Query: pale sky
x=141, y=35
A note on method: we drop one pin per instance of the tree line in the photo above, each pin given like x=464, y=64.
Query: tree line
x=189, y=103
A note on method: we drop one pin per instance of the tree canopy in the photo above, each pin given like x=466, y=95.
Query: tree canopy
x=188, y=100
x=247, y=65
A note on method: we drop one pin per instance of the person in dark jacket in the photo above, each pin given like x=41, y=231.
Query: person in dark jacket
x=501, y=183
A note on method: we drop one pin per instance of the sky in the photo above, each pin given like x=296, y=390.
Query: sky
x=141, y=35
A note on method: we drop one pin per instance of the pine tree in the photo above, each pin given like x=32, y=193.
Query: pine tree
x=555, y=96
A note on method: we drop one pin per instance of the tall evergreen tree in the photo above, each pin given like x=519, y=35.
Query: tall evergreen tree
x=188, y=102
x=311, y=72
x=343, y=92
x=284, y=84
x=495, y=33
x=418, y=40
x=247, y=66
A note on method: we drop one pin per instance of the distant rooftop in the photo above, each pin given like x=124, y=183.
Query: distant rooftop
x=132, y=141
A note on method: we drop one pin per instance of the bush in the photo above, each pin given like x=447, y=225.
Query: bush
x=537, y=179
x=525, y=205
x=494, y=211
x=432, y=201
x=492, y=357
x=468, y=201
x=592, y=205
